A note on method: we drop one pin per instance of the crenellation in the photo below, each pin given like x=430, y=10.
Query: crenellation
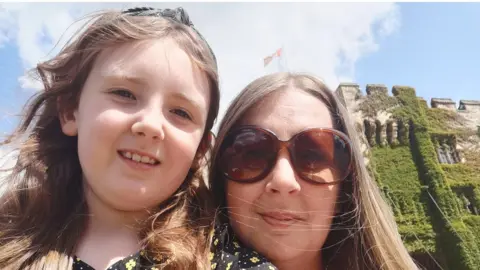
x=398, y=89
x=349, y=93
x=376, y=88
x=448, y=103
x=443, y=103
x=469, y=105
x=381, y=128
x=423, y=101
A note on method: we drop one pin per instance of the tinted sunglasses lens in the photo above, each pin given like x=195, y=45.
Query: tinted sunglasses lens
x=321, y=156
x=246, y=154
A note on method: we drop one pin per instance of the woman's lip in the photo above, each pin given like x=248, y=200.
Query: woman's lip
x=279, y=219
x=277, y=222
x=281, y=215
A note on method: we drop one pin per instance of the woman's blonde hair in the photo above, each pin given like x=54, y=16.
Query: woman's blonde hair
x=364, y=234
x=42, y=208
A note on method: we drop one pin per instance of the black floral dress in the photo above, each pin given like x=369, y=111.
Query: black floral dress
x=226, y=254
x=138, y=261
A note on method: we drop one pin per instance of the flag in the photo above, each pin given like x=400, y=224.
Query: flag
x=269, y=58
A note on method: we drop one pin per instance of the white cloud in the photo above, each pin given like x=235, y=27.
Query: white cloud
x=322, y=38
x=6, y=20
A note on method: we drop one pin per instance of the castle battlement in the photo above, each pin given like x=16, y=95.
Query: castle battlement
x=449, y=104
x=349, y=93
x=469, y=105
x=352, y=96
x=372, y=89
x=443, y=103
x=374, y=116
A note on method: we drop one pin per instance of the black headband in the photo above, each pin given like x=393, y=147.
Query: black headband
x=178, y=15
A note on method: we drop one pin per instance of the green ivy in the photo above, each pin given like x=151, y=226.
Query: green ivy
x=377, y=102
x=461, y=174
x=444, y=121
x=417, y=186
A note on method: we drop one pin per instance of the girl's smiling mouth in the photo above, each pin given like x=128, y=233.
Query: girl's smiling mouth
x=139, y=157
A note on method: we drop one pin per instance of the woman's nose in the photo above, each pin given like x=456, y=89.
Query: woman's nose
x=282, y=178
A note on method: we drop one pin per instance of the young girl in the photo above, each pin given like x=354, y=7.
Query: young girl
x=289, y=175
x=108, y=173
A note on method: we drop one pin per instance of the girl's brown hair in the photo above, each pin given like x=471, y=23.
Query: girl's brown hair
x=364, y=234
x=42, y=208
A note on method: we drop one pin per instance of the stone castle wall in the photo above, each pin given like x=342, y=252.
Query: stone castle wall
x=382, y=128
x=426, y=161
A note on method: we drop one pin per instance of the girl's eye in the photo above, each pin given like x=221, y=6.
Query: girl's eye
x=124, y=93
x=182, y=113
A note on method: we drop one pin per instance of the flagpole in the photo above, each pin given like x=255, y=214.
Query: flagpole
x=285, y=57
x=279, y=63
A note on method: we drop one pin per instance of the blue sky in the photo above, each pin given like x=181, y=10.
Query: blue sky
x=434, y=48
x=13, y=96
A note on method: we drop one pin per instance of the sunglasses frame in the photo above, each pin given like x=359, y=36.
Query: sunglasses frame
x=289, y=145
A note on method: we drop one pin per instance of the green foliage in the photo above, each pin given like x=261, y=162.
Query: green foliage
x=476, y=195
x=473, y=158
x=473, y=222
x=424, y=151
x=461, y=174
x=406, y=96
x=416, y=185
x=463, y=244
x=446, y=125
x=396, y=168
x=418, y=237
x=444, y=121
x=376, y=102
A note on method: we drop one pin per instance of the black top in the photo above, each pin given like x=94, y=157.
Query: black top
x=226, y=253
x=137, y=261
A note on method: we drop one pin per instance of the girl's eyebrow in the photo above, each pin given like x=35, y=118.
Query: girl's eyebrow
x=186, y=98
x=142, y=81
x=125, y=77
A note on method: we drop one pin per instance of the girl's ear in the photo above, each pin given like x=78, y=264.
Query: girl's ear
x=67, y=120
x=205, y=145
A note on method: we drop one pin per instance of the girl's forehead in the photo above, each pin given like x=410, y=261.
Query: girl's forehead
x=159, y=58
x=138, y=55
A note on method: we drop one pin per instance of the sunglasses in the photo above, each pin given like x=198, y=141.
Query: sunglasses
x=318, y=155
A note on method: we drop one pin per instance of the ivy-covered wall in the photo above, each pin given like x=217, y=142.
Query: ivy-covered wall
x=437, y=206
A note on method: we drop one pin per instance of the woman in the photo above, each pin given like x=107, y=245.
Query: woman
x=292, y=183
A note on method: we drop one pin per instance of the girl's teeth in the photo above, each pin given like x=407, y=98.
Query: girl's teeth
x=138, y=158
